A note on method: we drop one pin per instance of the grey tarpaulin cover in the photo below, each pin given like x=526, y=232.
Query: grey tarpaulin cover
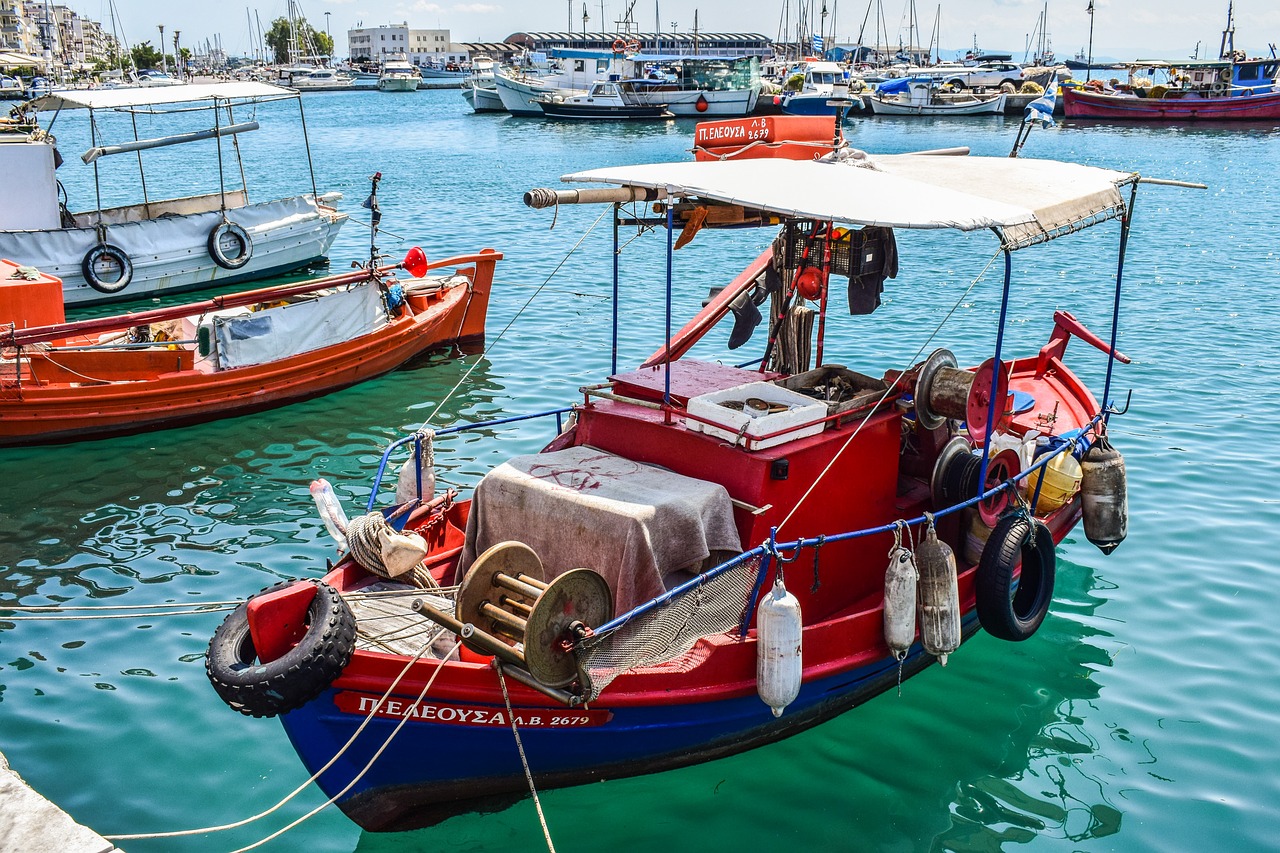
x=584, y=508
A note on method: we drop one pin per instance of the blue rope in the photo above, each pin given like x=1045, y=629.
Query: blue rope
x=666, y=393
x=996, y=368
x=1125, y=224
x=616, y=253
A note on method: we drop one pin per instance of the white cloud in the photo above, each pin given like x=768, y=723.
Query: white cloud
x=478, y=8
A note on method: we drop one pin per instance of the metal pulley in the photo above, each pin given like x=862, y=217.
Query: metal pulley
x=506, y=608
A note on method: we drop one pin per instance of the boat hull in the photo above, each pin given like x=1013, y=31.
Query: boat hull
x=64, y=412
x=398, y=84
x=697, y=103
x=605, y=112
x=520, y=98
x=170, y=253
x=890, y=107
x=483, y=99
x=455, y=752
x=816, y=104
x=1262, y=107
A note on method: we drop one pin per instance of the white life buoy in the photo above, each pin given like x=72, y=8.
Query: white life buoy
x=107, y=268
x=230, y=245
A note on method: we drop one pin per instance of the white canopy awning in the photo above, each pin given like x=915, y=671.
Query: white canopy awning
x=14, y=59
x=150, y=96
x=1026, y=201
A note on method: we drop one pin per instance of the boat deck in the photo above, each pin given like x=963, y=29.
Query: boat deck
x=386, y=621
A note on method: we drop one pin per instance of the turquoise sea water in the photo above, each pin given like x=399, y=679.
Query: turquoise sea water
x=1140, y=717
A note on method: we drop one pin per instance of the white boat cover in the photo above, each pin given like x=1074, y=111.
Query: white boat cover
x=142, y=96
x=287, y=330
x=1026, y=201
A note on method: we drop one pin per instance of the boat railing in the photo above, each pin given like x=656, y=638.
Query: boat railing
x=417, y=439
x=773, y=551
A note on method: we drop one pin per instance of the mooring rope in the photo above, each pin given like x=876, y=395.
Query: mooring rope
x=848, y=441
x=314, y=776
x=524, y=760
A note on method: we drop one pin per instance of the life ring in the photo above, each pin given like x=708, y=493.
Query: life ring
x=619, y=46
x=93, y=261
x=267, y=688
x=230, y=246
x=1006, y=611
x=1246, y=93
x=633, y=46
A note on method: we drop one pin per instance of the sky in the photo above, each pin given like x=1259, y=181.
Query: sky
x=1123, y=29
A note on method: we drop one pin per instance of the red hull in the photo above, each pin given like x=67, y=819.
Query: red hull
x=1078, y=104
x=160, y=389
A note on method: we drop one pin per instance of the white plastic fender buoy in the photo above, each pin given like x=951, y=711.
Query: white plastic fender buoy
x=900, y=600
x=778, y=659
x=939, y=597
x=1104, y=495
x=424, y=463
x=331, y=513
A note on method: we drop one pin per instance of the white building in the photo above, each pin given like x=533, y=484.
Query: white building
x=421, y=47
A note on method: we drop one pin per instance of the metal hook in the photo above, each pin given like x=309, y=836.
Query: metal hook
x=1112, y=410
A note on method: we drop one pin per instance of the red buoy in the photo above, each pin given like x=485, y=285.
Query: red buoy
x=702, y=104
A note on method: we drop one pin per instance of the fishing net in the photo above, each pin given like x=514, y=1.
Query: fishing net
x=669, y=631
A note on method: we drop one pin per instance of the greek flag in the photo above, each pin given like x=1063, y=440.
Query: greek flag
x=1041, y=109
x=817, y=44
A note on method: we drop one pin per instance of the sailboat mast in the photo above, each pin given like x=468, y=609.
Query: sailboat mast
x=1228, y=35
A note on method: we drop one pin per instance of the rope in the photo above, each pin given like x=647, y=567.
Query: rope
x=524, y=760
x=296, y=791
x=489, y=348
x=871, y=411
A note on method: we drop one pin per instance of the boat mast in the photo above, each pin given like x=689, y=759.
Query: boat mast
x=1228, y=35
x=1088, y=72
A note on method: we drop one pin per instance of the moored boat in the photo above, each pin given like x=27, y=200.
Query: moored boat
x=921, y=97
x=771, y=609
x=226, y=356
x=603, y=101
x=398, y=75
x=113, y=253
x=1232, y=87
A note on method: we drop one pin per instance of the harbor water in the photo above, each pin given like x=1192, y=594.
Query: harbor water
x=1139, y=718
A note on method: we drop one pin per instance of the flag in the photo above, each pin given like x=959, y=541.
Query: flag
x=1041, y=110
x=817, y=44
x=371, y=204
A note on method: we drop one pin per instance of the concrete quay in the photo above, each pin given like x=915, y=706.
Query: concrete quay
x=31, y=824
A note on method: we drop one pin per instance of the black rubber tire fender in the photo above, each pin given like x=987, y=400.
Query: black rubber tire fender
x=267, y=688
x=223, y=230
x=1007, y=611
x=88, y=267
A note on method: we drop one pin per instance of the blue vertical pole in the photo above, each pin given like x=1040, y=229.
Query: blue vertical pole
x=613, y=365
x=996, y=369
x=1125, y=224
x=666, y=393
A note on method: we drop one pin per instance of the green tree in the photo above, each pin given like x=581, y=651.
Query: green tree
x=145, y=56
x=280, y=36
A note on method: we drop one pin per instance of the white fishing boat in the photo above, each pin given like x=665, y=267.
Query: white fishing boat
x=317, y=79
x=152, y=77
x=573, y=74
x=915, y=96
x=479, y=90
x=698, y=86
x=398, y=75
x=104, y=253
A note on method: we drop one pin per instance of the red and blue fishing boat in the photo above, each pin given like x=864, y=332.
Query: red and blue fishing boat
x=1232, y=87
x=696, y=564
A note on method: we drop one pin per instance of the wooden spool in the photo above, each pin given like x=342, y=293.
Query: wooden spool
x=515, y=614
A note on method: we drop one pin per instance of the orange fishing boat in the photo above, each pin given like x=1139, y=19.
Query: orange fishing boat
x=225, y=356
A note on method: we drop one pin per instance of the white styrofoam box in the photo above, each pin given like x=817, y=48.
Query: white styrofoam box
x=804, y=417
